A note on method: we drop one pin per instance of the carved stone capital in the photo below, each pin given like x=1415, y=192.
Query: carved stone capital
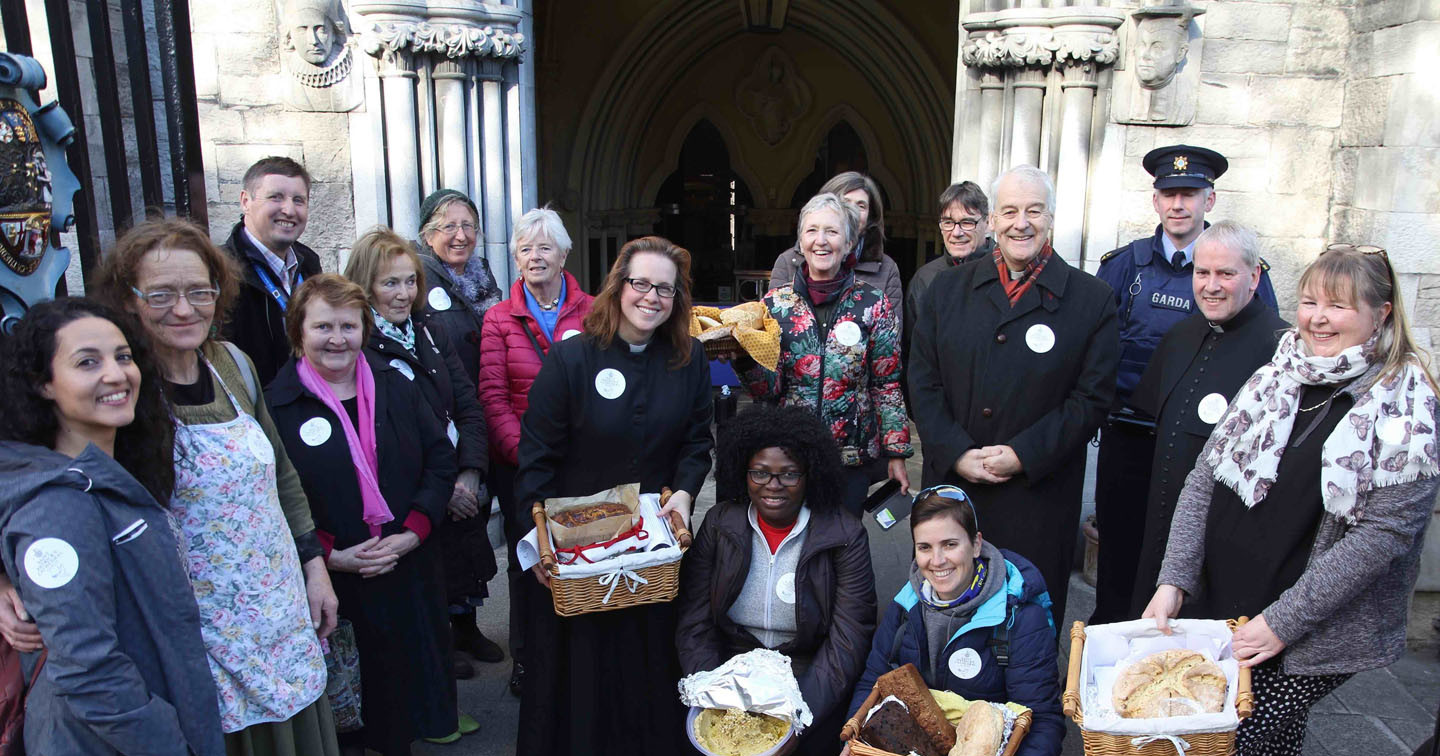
x=453, y=41
x=1032, y=37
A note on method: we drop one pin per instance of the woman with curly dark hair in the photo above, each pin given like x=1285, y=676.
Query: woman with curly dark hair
x=85, y=451
x=781, y=565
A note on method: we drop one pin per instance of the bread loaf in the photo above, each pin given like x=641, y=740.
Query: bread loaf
x=891, y=728
x=907, y=685
x=980, y=731
x=1173, y=683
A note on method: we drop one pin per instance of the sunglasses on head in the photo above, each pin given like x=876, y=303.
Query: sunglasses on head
x=1364, y=249
x=947, y=491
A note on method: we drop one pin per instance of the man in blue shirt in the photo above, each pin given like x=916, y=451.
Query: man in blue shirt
x=1151, y=281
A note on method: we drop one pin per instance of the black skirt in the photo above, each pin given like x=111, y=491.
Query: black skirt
x=602, y=683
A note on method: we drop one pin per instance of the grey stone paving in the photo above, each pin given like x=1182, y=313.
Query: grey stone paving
x=1385, y=712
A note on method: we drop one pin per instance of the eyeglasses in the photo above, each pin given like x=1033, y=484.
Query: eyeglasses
x=763, y=477
x=642, y=286
x=948, y=491
x=449, y=229
x=968, y=224
x=1364, y=249
x=162, y=299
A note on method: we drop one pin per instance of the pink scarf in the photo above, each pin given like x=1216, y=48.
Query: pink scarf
x=362, y=445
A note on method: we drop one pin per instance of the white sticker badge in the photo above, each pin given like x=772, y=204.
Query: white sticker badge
x=51, y=562
x=568, y=334
x=1211, y=408
x=260, y=446
x=785, y=588
x=847, y=333
x=1040, y=338
x=965, y=663
x=609, y=383
x=403, y=367
x=438, y=299
x=1391, y=430
x=315, y=431
x=452, y=433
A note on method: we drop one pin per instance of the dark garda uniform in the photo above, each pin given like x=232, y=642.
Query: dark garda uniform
x=1152, y=294
x=1193, y=375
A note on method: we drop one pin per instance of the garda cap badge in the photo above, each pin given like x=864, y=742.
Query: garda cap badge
x=1181, y=162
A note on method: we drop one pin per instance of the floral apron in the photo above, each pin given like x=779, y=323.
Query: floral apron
x=245, y=572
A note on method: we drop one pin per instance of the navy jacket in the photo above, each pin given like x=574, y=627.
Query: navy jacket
x=1030, y=679
x=94, y=559
x=1151, y=297
x=257, y=322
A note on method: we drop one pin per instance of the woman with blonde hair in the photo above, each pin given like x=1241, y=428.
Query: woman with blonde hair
x=1327, y=469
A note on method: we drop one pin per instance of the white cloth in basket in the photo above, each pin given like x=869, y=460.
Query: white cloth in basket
x=1110, y=648
x=631, y=554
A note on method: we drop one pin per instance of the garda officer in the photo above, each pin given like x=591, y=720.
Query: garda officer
x=1195, y=372
x=1150, y=278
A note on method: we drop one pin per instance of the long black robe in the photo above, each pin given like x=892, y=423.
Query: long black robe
x=604, y=683
x=1193, y=361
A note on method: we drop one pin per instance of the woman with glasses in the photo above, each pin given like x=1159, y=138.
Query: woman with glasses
x=973, y=618
x=626, y=402
x=839, y=352
x=459, y=284
x=254, y=558
x=1307, y=508
x=781, y=565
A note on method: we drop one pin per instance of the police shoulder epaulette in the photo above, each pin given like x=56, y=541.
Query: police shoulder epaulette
x=1105, y=257
x=1264, y=266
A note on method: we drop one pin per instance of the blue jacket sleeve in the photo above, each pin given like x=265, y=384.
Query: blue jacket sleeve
x=876, y=664
x=96, y=680
x=1031, y=680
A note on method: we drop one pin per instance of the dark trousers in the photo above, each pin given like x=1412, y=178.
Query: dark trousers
x=1122, y=483
x=857, y=482
x=522, y=584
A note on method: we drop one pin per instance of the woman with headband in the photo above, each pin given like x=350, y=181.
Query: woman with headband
x=973, y=618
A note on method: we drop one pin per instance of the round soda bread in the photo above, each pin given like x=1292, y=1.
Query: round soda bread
x=1173, y=683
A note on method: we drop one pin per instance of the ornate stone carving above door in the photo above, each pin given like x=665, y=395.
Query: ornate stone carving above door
x=1157, y=85
x=773, y=96
x=315, y=36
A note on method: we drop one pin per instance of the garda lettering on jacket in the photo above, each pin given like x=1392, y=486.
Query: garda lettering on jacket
x=1169, y=301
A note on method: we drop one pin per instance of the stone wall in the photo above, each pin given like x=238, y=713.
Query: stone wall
x=240, y=85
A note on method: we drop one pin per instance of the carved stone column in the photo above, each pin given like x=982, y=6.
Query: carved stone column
x=444, y=115
x=1083, y=42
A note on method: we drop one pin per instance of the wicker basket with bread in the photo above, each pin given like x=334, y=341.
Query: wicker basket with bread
x=747, y=328
x=902, y=715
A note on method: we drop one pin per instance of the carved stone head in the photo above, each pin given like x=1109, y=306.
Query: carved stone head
x=1161, y=43
x=314, y=30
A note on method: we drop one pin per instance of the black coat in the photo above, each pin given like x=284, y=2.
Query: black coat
x=975, y=381
x=402, y=630
x=467, y=558
x=256, y=323
x=575, y=442
x=459, y=320
x=834, y=601
x=1191, y=362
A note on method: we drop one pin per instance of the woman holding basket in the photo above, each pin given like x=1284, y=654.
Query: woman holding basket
x=627, y=402
x=1326, y=463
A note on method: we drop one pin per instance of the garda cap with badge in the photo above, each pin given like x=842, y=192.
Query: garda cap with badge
x=1181, y=165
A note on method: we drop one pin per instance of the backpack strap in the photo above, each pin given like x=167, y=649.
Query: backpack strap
x=243, y=364
x=899, y=639
x=999, y=642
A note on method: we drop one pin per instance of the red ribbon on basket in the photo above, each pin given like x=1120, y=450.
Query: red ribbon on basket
x=578, y=552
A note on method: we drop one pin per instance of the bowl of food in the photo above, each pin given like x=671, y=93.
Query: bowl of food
x=732, y=732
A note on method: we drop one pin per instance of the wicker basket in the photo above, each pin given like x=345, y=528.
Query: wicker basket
x=852, y=729
x=585, y=595
x=1107, y=744
x=722, y=346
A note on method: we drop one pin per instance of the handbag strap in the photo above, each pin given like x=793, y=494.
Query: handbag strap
x=39, y=665
x=533, y=341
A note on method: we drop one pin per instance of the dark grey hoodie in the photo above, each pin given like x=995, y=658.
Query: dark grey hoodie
x=940, y=624
x=97, y=565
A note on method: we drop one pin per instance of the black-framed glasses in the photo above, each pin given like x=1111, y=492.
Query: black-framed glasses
x=641, y=286
x=789, y=479
x=948, y=491
x=966, y=224
x=161, y=299
x=1364, y=249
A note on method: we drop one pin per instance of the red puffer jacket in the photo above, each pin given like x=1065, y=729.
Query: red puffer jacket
x=509, y=362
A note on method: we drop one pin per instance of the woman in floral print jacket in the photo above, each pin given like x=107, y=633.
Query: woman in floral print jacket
x=839, y=352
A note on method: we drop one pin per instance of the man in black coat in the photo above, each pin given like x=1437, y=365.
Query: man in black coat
x=1196, y=370
x=1010, y=377
x=274, y=206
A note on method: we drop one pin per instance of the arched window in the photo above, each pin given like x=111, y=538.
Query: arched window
x=702, y=208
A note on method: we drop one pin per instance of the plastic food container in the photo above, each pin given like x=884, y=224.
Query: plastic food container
x=694, y=741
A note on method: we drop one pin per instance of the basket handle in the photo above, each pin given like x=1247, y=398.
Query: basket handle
x=677, y=523
x=1244, y=696
x=547, y=557
x=1071, y=700
x=851, y=730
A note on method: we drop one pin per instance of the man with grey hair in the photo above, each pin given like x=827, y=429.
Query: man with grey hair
x=1013, y=369
x=1197, y=369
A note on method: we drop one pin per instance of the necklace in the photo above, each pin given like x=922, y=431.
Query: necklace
x=1322, y=404
x=547, y=307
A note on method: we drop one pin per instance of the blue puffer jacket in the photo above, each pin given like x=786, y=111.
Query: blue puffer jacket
x=1031, y=678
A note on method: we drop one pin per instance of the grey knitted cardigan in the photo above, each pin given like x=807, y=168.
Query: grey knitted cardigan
x=1347, y=611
